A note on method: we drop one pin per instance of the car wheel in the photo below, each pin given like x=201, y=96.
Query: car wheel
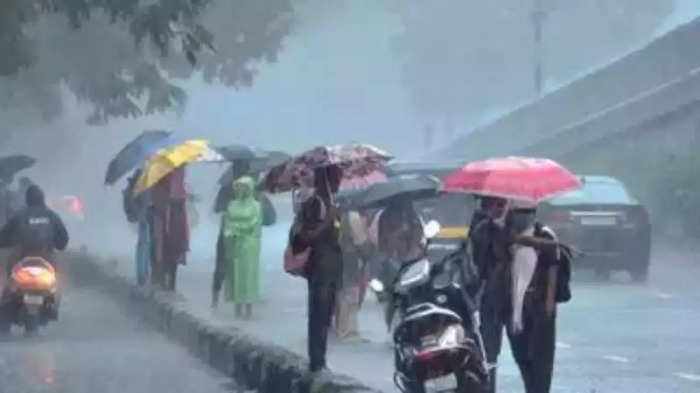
x=639, y=270
x=640, y=273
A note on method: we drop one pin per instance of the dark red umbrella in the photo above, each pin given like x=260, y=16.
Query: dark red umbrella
x=519, y=178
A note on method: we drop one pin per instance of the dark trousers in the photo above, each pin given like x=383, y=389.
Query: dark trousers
x=492, y=325
x=170, y=275
x=220, y=269
x=533, y=348
x=321, y=304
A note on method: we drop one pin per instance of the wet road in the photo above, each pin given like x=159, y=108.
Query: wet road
x=613, y=337
x=616, y=337
x=96, y=348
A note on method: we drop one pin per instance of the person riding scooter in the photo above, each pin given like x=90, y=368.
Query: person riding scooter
x=34, y=231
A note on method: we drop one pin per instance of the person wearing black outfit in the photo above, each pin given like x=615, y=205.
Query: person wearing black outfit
x=491, y=253
x=320, y=232
x=533, y=347
x=35, y=231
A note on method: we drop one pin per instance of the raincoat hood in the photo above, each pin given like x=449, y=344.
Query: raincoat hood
x=244, y=189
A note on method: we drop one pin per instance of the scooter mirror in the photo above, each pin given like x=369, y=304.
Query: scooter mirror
x=431, y=229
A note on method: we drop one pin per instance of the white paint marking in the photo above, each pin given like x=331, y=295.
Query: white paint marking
x=663, y=295
x=619, y=359
x=689, y=377
x=563, y=345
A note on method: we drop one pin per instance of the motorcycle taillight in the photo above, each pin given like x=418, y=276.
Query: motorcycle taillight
x=33, y=277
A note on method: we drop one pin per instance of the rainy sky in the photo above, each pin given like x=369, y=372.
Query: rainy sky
x=366, y=70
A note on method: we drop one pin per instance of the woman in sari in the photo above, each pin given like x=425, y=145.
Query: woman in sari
x=242, y=233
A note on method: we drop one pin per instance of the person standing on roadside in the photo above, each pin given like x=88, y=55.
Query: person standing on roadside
x=320, y=232
x=355, y=245
x=242, y=228
x=139, y=210
x=491, y=252
x=225, y=195
x=171, y=229
x=532, y=326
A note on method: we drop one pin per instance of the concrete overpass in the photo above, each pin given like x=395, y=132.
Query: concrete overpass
x=642, y=93
x=637, y=119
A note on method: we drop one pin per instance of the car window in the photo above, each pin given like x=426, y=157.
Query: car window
x=595, y=192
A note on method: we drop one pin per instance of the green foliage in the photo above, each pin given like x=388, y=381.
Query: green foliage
x=123, y=56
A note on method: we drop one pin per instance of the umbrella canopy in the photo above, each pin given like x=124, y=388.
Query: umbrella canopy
x=264, y=160
x=167, y=160
x=520, y=178
x=360, y=182
x=136, y=152
x=381, y=193
x=356, y=160
x=10, y=165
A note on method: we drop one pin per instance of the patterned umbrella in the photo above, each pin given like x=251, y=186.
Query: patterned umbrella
x=356, y=161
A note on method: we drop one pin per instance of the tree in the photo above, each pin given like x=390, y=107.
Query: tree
x=117, y=54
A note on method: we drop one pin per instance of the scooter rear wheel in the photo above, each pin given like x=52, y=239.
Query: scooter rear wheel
x=31, y=325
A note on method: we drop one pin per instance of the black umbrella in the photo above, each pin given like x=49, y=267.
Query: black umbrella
x=12, y=164
x=378, y=194
x=237, y=152
x=261, y=161
x=136, y=152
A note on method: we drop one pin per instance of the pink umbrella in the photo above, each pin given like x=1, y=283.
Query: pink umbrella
x=520, y=178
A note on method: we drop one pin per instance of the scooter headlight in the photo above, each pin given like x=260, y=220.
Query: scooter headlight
x=376, y=285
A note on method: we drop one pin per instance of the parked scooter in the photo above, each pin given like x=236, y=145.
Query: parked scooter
x=30, y=298
x=437, y=343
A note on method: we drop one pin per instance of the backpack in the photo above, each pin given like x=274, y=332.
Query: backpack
x=563, y=289
x=296, y=262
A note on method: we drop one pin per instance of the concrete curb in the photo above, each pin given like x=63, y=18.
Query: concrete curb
x=249, y=361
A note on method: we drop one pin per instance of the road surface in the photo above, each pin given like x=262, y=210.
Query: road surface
x=96, y=348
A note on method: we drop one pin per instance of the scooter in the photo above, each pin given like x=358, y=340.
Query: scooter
x=30, y=299
x=437, y=343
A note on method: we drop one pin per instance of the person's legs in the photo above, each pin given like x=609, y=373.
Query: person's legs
x=219, y=270
x=321, y=299
x=492, y=335
x=533, y=348
x=542, y=353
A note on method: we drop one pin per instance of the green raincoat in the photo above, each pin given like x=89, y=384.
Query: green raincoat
x=242, y=232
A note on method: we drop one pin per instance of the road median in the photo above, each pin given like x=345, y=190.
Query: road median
x=251, y=362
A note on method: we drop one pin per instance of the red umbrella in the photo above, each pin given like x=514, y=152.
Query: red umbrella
x=520, y=178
